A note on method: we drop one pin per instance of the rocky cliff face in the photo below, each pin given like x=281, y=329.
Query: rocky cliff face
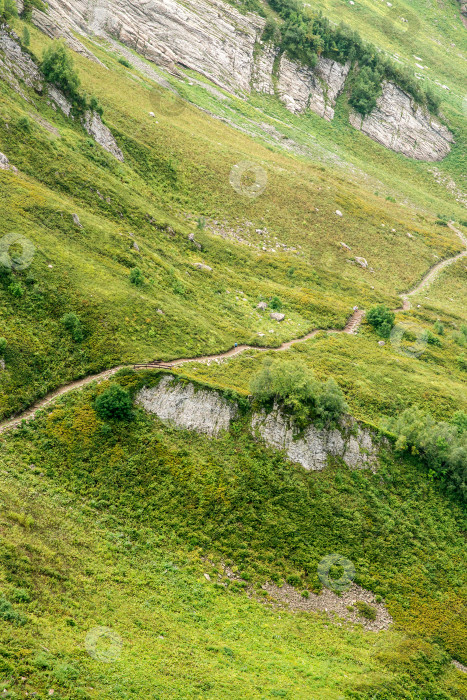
x=19, y=70
x=182, y=405
x=206, y=411
x=353, y=444
x=217, y=41
x=404, y=127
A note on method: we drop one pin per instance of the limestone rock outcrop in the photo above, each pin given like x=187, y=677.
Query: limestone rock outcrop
x=183, y=405
x=214, y=39
x=206, y=411
x=401, y=125
x=352, y=443
x=301, y=88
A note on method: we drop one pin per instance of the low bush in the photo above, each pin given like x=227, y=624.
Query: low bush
x=114, y=404
x=293, y=385
x=441, y=446
x=382, y=320
x=136, y=277
x=73, y=325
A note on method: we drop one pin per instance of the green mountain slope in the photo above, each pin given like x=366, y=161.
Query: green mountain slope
x=116, y=524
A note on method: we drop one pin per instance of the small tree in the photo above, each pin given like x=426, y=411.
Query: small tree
x=57, y=66
x=136, y=277
x=293, y=385
x=275, y=303
x=73, y=325
x=382, y=320
x=114, y=404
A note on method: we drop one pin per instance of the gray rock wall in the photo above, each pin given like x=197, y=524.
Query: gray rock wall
x=206, y=411
x=214, y=39
x=401, y=125
x=182, y=405
x=351, y=443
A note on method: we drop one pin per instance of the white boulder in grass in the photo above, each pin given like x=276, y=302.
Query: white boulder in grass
x=277, y=317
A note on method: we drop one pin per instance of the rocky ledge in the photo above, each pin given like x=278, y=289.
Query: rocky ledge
x=214, y=39
x=401, y=125
x=207, y=411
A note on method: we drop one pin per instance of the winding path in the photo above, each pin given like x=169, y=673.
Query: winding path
x=351, y=328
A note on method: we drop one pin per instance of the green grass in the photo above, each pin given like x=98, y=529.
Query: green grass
x=168, y=180
x=112, y=528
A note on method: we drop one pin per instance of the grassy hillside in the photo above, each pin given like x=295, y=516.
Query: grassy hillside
x=116, y=524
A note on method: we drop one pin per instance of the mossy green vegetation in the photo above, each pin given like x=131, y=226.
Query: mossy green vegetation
x=168, y=506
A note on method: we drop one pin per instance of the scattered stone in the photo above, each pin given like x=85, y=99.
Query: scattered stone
x=362, y=262
x=4, y=162
x=151, y=114
x=277, y=317
x=159, y=311
x=345, y=246
x=200, y=266
x=409, y=235
x=191, y=238
x=339, y=213
x=2, y=363
x=136, y=246
x=381, y=343
x=262, y=306
x=207, y=577
x=76, y=220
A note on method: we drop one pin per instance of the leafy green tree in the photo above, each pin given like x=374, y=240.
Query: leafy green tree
x=441, y=446
x=57, y=66
x=136, y=277
x=73, y=325
x=292, y=385
x=382, y=320
x=114, y=404
x=366, y=90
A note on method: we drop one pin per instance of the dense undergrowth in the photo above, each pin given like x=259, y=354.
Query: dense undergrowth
x=238, y=503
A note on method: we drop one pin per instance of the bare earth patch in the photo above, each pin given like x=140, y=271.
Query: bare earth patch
x=336, y=606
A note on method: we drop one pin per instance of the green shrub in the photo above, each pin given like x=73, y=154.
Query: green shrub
x=462, y=361
x=293, y=385
x=441, y=446
x=382, y=320
x=73, y=325
x=136, y=277
x=275, y=304
x=366, y=610
x=114, y=404
x=16, y=289
x=3, y=346
x=8, y=9
x=431, y=339
x=124, y=62
x=439, y=328
x=8, y=614
x=26, y=38
x=57, y=67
